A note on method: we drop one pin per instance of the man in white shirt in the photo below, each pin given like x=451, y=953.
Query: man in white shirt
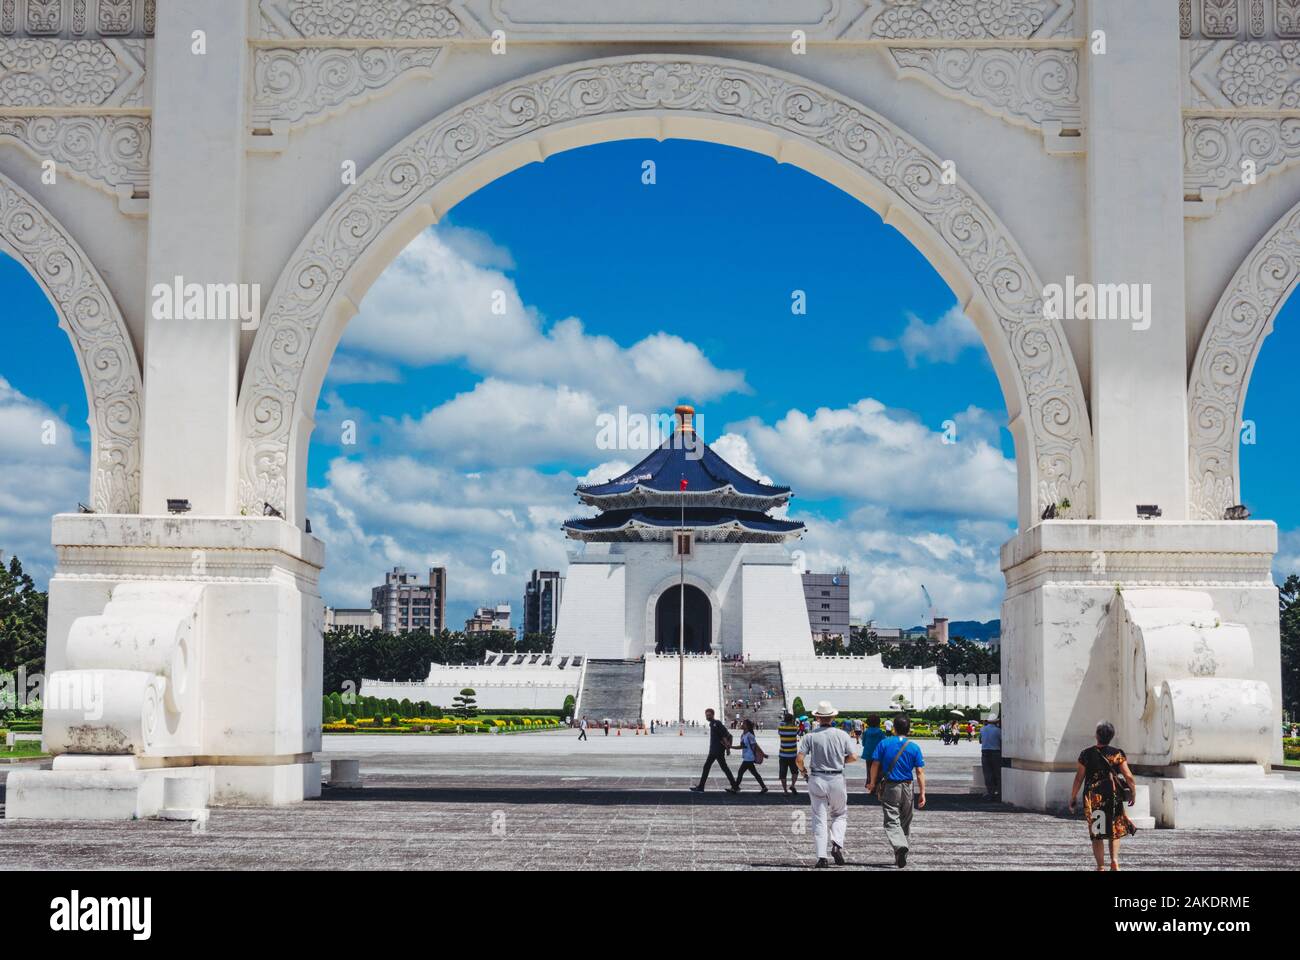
x=821, y=758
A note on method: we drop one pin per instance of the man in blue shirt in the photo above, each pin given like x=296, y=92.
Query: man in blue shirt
x=893, y=764
x=991, y=758
x=871, y=738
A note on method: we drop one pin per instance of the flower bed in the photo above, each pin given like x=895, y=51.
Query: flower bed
x=427, y=725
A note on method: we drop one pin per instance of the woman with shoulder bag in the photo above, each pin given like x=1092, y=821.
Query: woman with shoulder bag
x=751, y=754
x=1107, y=785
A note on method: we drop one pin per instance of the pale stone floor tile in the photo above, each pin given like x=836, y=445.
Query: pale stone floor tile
x=418, y=814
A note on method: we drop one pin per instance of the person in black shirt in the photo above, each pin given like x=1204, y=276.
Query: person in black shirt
x=719, y=744
x=1107, y=785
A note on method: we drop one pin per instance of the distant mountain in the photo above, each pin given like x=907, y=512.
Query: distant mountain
x=971, y=629
x=974, y=630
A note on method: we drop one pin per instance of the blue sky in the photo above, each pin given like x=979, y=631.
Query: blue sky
x=473, y=427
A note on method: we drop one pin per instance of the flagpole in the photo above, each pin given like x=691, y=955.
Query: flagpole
x=681, y=616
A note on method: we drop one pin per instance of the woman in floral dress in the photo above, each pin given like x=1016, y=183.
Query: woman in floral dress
x=1104, y=774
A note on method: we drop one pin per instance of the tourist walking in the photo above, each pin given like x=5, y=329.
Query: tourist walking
x=1107, y=784
x=821, y=758
x=751, y=754
x=788, y=735
x=871, y=738
x=582, y=729
x=991, y=758
x=893, y=765
x=719, y=744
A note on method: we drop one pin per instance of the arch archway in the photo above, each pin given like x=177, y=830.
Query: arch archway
x=697, y=615
x=660, y=96
x=1225, y=358
x=89, y=315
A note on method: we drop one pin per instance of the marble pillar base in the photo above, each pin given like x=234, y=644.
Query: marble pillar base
x=237, y=671
x=1225, y=797
x=1068, y=664
x=81, y=787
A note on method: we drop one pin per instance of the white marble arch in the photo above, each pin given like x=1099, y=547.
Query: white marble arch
x=691, y=580
x=90, y=317
x=726, y=101
x=1225, y=359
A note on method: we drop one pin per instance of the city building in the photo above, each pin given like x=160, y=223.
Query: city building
x=898, y=635
x=353, y=619
x=827, y=598
x=542, y=596
x=406, y=604
x=490, y=620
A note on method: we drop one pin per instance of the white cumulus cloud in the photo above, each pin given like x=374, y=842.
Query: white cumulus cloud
x=940, y=342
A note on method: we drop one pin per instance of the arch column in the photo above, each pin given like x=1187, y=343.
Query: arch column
x=1225, y=360
x=1135, y=239
x=196, y=230
x=90, y=317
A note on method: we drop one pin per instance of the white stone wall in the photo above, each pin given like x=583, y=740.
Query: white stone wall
x=864, y=683
x=775, y=618
x=490, y=693
x=593, y=619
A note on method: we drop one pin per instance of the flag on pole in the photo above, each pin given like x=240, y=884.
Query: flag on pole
x=683, y=483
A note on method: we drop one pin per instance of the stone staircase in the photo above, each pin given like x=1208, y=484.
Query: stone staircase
x=611, y=689
x=748, y=681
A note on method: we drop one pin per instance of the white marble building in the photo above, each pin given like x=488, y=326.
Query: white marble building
x=743, y=592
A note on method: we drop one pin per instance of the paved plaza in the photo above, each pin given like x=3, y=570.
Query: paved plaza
x=547, y=801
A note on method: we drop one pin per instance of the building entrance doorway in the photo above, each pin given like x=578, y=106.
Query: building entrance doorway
x=699, y=621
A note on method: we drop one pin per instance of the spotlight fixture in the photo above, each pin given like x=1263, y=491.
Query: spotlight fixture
x=178, y=506
x=270, y=511
x=1236, y=512
x=82, y=508
x=1149, y=511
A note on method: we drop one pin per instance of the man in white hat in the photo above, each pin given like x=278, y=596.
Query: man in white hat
x=821, y=758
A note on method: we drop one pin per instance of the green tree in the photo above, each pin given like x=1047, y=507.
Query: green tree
x=465, y=704
x=1289, y=612
x=797, y=707
x=570, y=704
x=22, y=620
x=863, y=642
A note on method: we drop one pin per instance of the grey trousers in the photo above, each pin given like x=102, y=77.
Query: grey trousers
x=896, y=801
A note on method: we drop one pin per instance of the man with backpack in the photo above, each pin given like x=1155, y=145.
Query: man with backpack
x=896, y=760
x=719, y=744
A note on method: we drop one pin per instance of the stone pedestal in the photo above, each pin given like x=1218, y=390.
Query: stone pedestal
x=178, y=646
x=1167, y=629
